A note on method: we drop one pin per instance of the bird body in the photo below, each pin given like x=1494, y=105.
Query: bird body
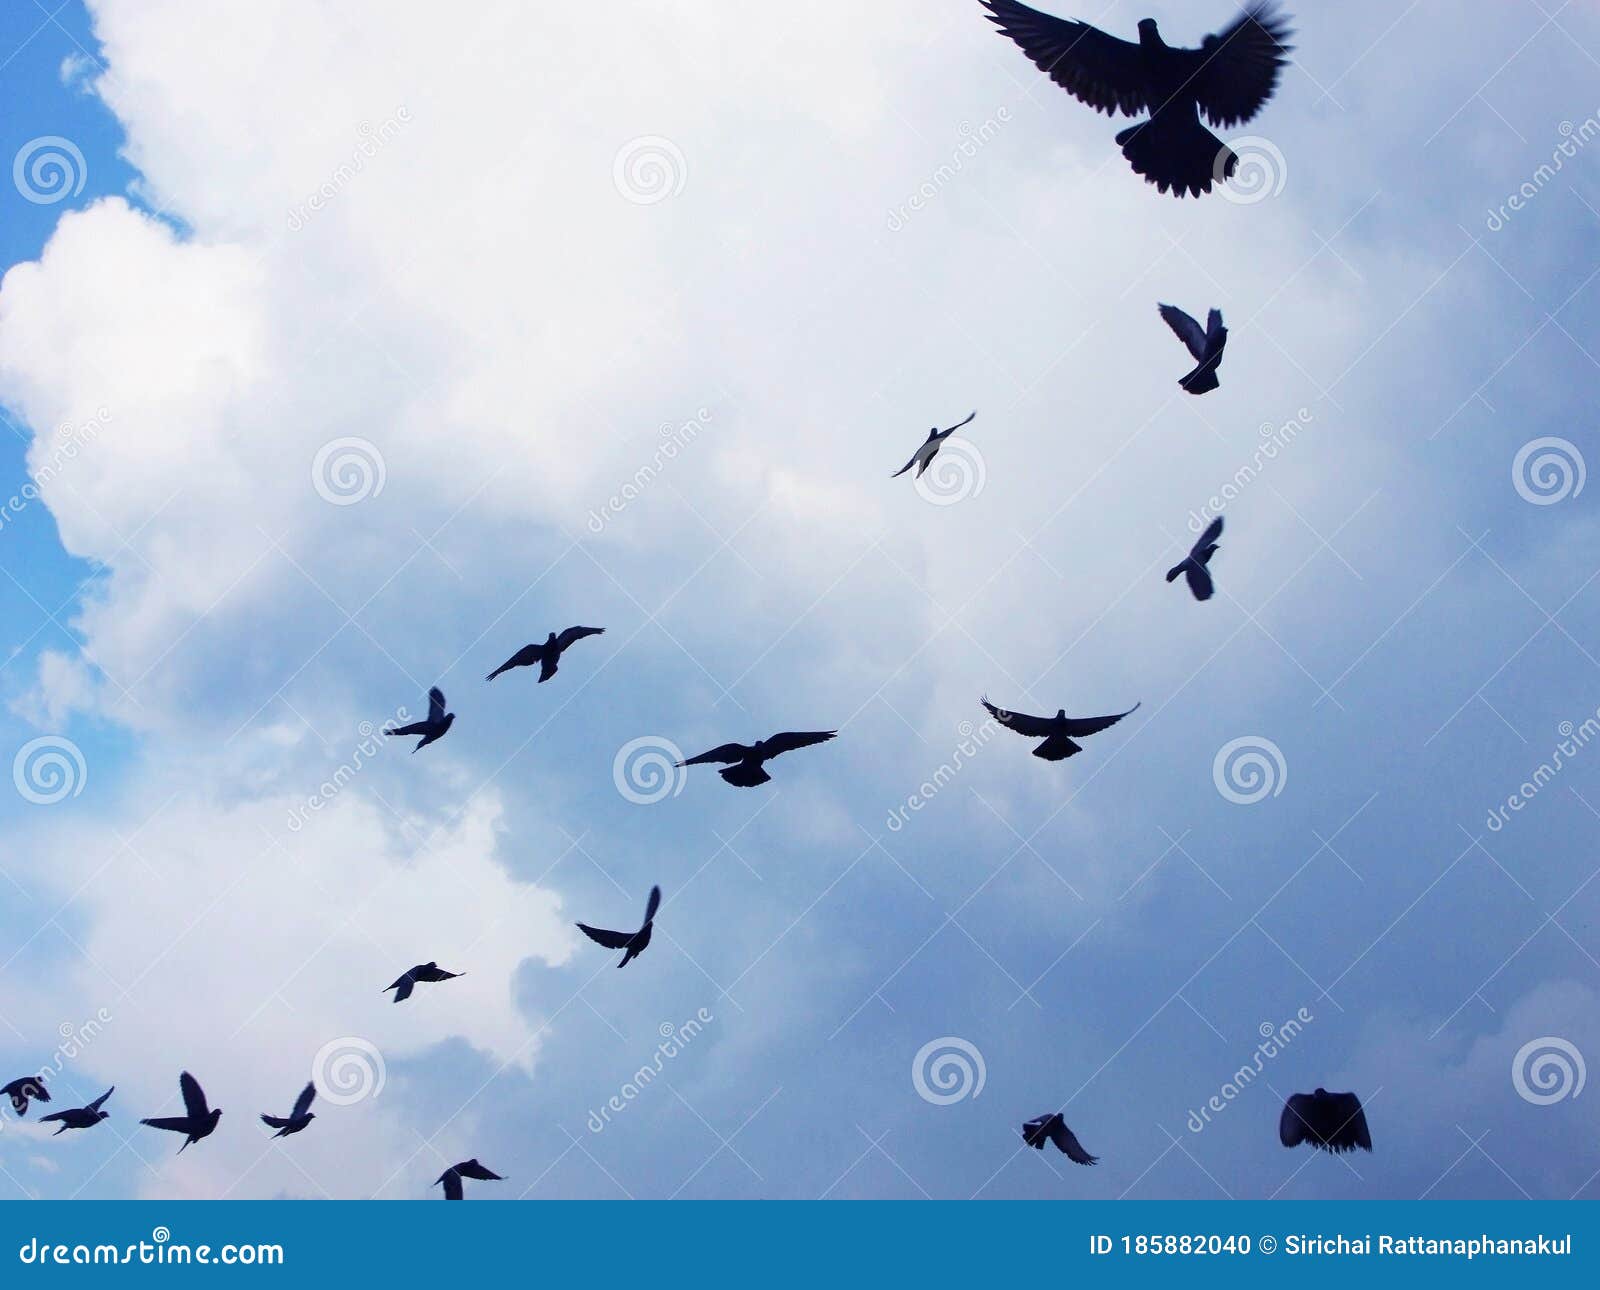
x=930, y=448
x=20, y=1090
x=407, y=980
x=633, y=942
x=451, y=1177
x=1194, y=566
x=745, y=768
x=1205, y=345
x=197, y=1121
x=298, y=1118
x=80, y=1117
x=1058, y=732
x=434, y=727
x=547, y=655
x=1052, y=1128
x=1332, y=1122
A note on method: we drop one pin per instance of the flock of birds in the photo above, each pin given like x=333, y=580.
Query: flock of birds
x=1228, y=79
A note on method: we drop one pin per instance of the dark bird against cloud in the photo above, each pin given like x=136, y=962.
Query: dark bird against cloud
x=20, y=1090
x=633, y=942
x=930, y=448
x=1193, y=566
x=1228, y=78
x=298, y=1118
x=1058, y=732
x=197, y=1121
x=546, y=655
x=81, y=1117
x=408, y=979
x=1205, y=346
x=746, y=768
x=1328, y=1121
x=1052, y=1128
x=434, y=727
x=451, y=1177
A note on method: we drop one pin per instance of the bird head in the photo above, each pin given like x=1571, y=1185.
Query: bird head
x=1321, y=1092
x=1061, y=714
x=1149, y=34
x=102, y=1115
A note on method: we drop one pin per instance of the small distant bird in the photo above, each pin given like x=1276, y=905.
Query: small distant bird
x=451, y=1177
x=298, y=1118
x=633, y=942
x=1193, y=566
x=1058, y=731
x=1052, y=1128
x=198, y=1120
x=546, y=655
x=81, y=1117
x=1206, y=346
x=746, y=770
x=408, y=979
x=1328, y=1121
x=20, y=1090
x=1229, y=78
x=930, y=448
x=434, y=727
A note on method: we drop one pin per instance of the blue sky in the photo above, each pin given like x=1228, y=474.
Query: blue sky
x=500, y=273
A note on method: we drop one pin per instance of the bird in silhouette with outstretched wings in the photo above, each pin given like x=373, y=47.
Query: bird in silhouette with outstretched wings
x=451, y=1177
x=1205, y=346
x=1052, y=1128
x=434, y=727
x=1194, y=566
x=633, y=942
x=298, y=1118
x=20, y=1090
x=197, y=1121
x=746, y=760
x=930, y=448
x=407, y=980
x=80, y=1117
x=1328, y=1121
x=547, y=655
x=1058, y=732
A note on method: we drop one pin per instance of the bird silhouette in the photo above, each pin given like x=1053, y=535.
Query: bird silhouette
x=451, y=1177
x=1229, y=78
x=1328, y=1121
x=20, y=1090
x=408, y=979
x=633, y=942
x=434, y=727
x=1052, y=1128
x=1058, y=732
x=746, y=769
x=1206, y=346
x=930, y=448
x=1194, y=565
x=298, y=1118
x=546, y=655
x=80, y=1117
x=197, y=1121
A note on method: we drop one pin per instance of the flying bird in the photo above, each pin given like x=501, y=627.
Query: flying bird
x=298, y=1118
x=20, y=1090
x=1229, y=78
x=434, y=727
x=746, y=769
x=1194, y=565
x=1328, y=1121
x=633, y=942
x=408, y=979
x=930, y=448
x=197, y=1121
x=1058, y=732
x=1052, y=1128
x=451, y=1177
x=81, y=1117
x=546, y=655
x=1205, y=345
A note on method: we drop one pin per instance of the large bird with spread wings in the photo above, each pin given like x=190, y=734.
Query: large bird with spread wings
x=1058, y=732
x=633, y=942
x=744, y=768
x=1053, y=1129
x=546, y=655
x=1328, y=1121
x=1195, y=567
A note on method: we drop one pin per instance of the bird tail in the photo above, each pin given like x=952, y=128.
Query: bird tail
x=1057, y=748
x=1202, y=380
x=1174, y=151
x=745, y=774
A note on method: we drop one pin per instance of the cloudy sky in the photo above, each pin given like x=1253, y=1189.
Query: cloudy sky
x=344, y=349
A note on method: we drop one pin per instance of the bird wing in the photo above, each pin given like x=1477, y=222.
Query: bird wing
x=576, y=634
x=959, y=424
x=653, y=904
x=1021, y=722
x=415, y=728
x=1067, y=1142
x=403, y=987
x=172, y=1123
x=1236, y=71
x=472, y=1169
x=522, y=658
x=600, y=936
x=436, y=704
x=1212, y=533
x=1349, y=1127
x=722, y=752
x=789, y=740
x=1101, y=70
x=302, y=1104
x=1294, y=1122
x=451, y=1179
x=1186, y=329
x=1077, y=727
x=99, y=1101
x=194, y=1097
x=909, y=464
x=1199, y=579
x=1214, y=327
x=58, y=1115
